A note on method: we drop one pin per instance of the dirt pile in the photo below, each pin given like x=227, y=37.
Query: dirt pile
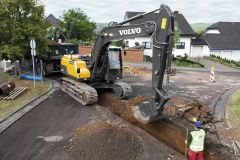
x=103, y=141
x=130, y=70
x=137, y=71
x=188, y=109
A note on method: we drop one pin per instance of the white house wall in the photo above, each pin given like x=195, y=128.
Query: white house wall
x=199, y=51
x=228, y=54
x=176, y=52
x=196, y=51
x=206, y=50
x=187, y=50
x=212, y=31
x=131, y=43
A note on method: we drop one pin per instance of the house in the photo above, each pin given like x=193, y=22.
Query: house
x=186, y=34
x=220, y=39
x=53, y=20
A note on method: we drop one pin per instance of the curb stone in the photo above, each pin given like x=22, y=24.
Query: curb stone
x=14, y=116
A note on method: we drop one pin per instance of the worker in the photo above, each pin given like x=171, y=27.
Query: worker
x=194, y=119
x=195, y=141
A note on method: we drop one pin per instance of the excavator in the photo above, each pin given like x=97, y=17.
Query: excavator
x=104, y=71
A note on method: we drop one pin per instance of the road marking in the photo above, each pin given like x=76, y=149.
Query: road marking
x=51, y=138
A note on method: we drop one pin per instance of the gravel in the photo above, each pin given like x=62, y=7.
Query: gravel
x=102, y=141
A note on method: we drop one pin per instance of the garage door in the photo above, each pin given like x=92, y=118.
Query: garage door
x=197, y=51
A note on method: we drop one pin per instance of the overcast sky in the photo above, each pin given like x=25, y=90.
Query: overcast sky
x=113, y=10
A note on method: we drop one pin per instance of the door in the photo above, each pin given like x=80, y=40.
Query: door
x=197, y=51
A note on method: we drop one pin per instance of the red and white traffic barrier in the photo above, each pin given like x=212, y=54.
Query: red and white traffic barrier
x=212, y=76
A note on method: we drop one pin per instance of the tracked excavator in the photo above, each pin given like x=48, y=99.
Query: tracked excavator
x=104, y=71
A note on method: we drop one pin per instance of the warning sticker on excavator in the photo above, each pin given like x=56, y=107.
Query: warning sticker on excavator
x=164, y=23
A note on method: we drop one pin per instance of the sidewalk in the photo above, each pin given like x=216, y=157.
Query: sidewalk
x=224, y=127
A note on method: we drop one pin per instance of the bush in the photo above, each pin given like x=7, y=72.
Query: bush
x=226, y=61
x=187, y=63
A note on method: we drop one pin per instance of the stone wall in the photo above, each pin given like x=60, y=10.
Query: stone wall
x=132, y=55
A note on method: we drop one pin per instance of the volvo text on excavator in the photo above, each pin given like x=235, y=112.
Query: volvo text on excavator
x=104, y=71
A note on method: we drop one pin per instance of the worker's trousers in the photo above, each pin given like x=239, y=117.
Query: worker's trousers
x=195, y=155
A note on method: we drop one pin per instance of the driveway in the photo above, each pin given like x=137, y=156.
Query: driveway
x=218, y=66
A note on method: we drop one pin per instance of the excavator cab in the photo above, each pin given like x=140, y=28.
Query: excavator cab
x=114, y=70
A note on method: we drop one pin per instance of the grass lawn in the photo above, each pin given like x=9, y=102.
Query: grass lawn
x=233, y=108
x=8, y=106
x=186, y=63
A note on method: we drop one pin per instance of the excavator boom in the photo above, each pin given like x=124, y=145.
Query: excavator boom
x=161, y=31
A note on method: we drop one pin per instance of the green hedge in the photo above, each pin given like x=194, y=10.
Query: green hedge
x=183, y=62
x=186, y=63
x=228, y=62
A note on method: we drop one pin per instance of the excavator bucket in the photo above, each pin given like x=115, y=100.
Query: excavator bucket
x=146, y=112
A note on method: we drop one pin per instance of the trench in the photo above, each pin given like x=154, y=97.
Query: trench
x=168, y=131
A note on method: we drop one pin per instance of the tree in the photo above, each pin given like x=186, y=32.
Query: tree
x=119, y=43
x=77, y=25
x=21, y=21
x=200, y=32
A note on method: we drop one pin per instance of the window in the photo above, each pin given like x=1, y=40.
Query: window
x=113, y=57
x=146, y=45
x=127, y=44
x=180, y=45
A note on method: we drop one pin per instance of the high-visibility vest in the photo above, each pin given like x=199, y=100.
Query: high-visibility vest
x=197, y=143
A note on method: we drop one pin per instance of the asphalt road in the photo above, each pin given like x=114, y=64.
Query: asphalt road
x=42, y=133
x=190, y=85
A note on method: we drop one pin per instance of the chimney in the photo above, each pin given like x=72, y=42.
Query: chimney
x=176, y=12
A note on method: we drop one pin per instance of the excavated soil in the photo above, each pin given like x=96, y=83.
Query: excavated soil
x=171, y=132
x=102, y=141
x=188, y=109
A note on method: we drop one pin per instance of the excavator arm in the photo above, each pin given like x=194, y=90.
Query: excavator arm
x=161, y=31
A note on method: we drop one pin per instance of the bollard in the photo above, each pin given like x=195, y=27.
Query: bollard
x=212, y=75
